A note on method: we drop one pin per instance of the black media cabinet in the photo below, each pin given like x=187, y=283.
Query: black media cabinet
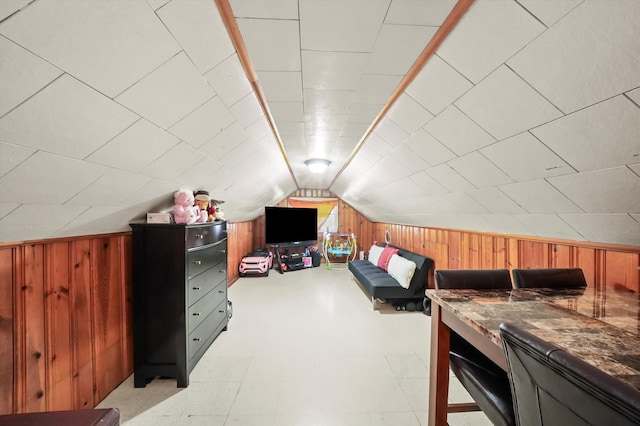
x=292, y=260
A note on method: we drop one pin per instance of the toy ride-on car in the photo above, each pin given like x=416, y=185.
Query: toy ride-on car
x=256, y=263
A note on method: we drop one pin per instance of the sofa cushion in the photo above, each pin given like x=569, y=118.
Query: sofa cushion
x=387, y=252
x=401, y=269
x=374, y=254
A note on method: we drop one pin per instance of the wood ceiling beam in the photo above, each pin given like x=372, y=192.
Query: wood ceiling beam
x=226, y=13
x=458, y=11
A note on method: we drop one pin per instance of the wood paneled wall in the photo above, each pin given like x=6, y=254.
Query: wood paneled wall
x=66, y=335
x=240, y=241
x=603, y=264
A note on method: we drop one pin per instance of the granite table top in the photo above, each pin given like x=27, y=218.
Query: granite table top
x=599, y=325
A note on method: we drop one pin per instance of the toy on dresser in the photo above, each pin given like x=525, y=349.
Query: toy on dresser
x=184, y=210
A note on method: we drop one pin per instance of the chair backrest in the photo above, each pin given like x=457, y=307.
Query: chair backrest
x=551, y=386
x=549, y=277
x=472, y=278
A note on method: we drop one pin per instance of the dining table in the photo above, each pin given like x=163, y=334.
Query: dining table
x=600, y=325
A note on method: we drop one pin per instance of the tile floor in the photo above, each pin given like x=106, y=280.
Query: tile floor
x=303, y=348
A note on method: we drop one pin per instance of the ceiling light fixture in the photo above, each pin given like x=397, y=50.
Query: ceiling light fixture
x=317, y=165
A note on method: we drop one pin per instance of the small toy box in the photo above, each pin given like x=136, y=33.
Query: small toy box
x=256, y=263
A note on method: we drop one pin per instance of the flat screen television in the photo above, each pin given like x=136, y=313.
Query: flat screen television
x=290, y=225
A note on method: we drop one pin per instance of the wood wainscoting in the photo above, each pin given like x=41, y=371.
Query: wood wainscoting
x=603, y=264
x=66, y=335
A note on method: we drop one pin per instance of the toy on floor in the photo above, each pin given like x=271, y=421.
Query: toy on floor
x=344, y=245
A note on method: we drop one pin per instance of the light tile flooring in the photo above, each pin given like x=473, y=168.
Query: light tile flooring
x=303, y=348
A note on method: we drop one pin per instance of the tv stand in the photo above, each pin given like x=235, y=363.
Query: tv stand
x=286, y=260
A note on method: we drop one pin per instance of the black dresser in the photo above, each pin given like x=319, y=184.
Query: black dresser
x=179, y=296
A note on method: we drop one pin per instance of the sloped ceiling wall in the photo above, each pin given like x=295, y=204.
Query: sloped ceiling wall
x=525, y=121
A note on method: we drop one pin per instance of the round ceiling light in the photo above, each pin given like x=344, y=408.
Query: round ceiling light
x=317, y=165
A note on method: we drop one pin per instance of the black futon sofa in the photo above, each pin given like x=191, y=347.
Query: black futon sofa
x=381, y=286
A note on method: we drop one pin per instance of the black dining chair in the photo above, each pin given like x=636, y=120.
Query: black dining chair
x=549, y=277
x=486, y=382
x=552, y=387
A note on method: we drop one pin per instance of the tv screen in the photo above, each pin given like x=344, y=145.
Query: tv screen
x=290, y=225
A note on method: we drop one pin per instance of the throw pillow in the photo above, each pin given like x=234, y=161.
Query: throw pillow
x=402, y=270
x=374, y=254
x=388, y=251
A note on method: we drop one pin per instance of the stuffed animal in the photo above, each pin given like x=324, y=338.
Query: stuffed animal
x=183, y=210
x=202, y=201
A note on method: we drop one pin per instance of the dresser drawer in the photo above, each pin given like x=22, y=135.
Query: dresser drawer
x=202, y=259
x=203, y=307
x=201, y=334
x=203, y=283
x=202, y=235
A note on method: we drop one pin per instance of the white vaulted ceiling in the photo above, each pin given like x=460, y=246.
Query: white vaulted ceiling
x=525, y=120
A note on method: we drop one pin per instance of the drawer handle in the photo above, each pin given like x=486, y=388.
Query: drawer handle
x=221, y=291
x=198, y=262
x=221, y=312
x=222, y=271
x=223, y=251
x=200, y=236
x=196, y=339
x=196, y=314
x=197, y=288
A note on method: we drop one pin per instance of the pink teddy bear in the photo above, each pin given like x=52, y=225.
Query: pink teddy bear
x=184, y=210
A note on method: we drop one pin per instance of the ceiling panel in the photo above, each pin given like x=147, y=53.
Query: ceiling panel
x=12, y=155
x=197, y=27
x=614, y=190
x=67, y=117
x=246, y=110
x=229, y=80
x=23, y=74
x=329, y=25
x=572, y=64
x=488, y=34
x=174, y=162
x=273, y=45
x=446, y=176
x=387, y=59
x=127, y=51
x=135, y=148
x=13, y=227
x=549, y=225
x=504, y=105
x=599, y=227
x=169, y=93
x=429, y=148
x=101, y=193
x=333, y=70
x=549, y=12
x=513, y=156
x=412, y=12
x=438, y=85
x=203, y=123
x=495, y=201
x=33, y=182
x=604, y=135
x=458, y=132
x=538, y=196
x=409, y=114
x=282, y=9
x=478, y=170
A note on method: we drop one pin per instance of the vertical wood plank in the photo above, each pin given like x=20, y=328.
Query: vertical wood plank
x=560, y=256
x=7, y=320
x=622, y=270
x=33, y=330
x=106, y=305
x=59, y=356
x=81, y=325
x=126, y=260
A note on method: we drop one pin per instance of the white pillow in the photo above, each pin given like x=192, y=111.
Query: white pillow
x=401, y=269
x=374, y=254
